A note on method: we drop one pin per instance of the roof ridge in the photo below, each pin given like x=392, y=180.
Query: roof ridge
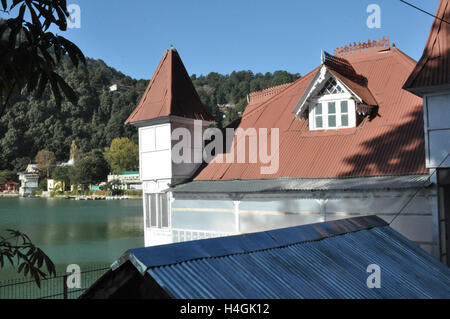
x=270, y=89
x=405, y=56
x=364, y=47
x=244, y=116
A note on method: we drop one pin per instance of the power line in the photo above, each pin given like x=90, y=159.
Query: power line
x=426, y=12
x=417, y=192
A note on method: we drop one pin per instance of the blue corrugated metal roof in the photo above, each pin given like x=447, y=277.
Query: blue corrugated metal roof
x=326, y=260
x=303, y=184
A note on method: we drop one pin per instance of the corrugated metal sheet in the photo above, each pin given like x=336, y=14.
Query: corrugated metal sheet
x=258, y=97
x=303, y=184
x=392, y=143
x=326, y=260
x=433, y=68
x=170, y=92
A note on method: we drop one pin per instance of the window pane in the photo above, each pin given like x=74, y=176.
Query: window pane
x=319, y=122
x=344, y=120
x=164, y=211
x=147, y=210
x=319, y=108
x=331, y=107
x=332, y=121
x=344, y=107
x=153, y=209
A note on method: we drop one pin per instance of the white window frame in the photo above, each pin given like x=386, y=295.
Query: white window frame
x=337, y=99
x=158, y=212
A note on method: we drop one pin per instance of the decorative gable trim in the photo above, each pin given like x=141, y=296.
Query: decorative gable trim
x=342, y=71
x=320, y=79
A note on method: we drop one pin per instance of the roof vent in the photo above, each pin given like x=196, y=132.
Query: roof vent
x=357, y=48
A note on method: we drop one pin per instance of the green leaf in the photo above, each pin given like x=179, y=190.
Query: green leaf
x=68, y=91
x=42, y=84
x=26, y=270
x=55, y=89
x=19, y=270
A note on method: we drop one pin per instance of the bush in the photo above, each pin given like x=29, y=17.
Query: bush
x=133, y=192
x=43, y=185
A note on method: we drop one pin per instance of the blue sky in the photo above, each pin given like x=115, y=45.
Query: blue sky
x=227, y=35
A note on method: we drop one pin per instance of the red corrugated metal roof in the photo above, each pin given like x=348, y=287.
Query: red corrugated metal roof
x=170, y=92
x=433, y=68
x=392, y=143
x=259, y=97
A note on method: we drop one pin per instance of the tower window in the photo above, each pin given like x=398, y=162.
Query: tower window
x=156, y=210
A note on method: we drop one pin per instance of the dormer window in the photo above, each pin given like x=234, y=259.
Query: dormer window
x=331, y=87
x=333, y=107
x=334, y=97
x=332, y=114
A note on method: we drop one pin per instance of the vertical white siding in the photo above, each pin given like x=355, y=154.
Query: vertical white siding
x=437, y=129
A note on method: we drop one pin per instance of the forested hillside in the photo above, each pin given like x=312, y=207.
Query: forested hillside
x=31, y=124
x=217, y=89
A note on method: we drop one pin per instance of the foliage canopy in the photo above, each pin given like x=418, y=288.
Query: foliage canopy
x=122, y=155
x=29, y=52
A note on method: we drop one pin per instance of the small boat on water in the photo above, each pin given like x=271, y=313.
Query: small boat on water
x=92, y=197
x=117, y=197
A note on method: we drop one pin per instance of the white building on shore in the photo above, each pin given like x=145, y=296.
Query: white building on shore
x=126, y=180
x=29, y=180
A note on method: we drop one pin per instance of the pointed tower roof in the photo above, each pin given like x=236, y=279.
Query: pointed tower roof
x=433, y=68
x=170, y=93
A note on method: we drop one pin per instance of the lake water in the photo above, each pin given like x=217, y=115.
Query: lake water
x=87, y=233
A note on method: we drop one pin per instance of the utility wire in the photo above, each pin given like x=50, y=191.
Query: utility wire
x=426, y=12
x=417, y=192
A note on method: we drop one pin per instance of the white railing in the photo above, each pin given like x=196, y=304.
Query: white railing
x=180, y=235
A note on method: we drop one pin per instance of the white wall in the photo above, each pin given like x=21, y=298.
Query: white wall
x=183, y=170
x=260, y=212
x=437, y=129
x=154, y=152
x=158, y=169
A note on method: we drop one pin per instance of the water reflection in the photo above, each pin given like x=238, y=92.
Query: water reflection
x=82, y=232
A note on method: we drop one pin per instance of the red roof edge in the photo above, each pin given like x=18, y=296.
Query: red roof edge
x=433, y=67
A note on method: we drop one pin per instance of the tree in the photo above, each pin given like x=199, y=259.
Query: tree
x=62, y=174
x=45, y=160
x=29, y=53
x=91, y=169
x=6, y=176
x=18, y=249
x=122, y=155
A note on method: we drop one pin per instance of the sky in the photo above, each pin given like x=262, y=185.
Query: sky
x=230, y=35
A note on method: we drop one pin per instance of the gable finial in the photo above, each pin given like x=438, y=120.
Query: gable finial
x=321, y=57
